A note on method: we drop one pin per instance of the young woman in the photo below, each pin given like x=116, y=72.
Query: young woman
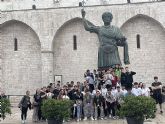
x=24, y=105
x=49, y=94
x=103, y=93
x=62, y=95
x=145, y=90
x=110, y=104
x=88, y=104
x=36, y=104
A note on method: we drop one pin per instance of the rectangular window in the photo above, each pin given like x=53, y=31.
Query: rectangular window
x=33, y=6
x=74, y=42
x=15, y=44
x=138, y=40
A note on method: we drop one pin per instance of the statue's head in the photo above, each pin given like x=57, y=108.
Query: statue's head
x=107, y=17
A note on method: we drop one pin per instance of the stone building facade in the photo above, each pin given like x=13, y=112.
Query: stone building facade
x=37, y=44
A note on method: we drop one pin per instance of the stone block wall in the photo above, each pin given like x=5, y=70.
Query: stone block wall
x=73, y=63
x=21, y=69
x=40, y=4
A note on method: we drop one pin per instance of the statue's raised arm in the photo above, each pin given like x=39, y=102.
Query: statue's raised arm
x=87, y=24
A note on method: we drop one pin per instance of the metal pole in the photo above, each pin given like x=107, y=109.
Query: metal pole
x=83, y=3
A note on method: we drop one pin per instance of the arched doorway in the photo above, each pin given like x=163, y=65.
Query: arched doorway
x=21, y=58
x=146, y=47
x=75, y=51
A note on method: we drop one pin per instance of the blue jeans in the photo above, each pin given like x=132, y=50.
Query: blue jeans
x=79, y=110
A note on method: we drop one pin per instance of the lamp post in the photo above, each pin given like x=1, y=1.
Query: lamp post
x=82, y=4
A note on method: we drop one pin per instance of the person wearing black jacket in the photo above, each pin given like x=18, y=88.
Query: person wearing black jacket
x=56, y=91
x=24, y=105
x=98, y=101
x=129, y=78
x=79, y=106
x=72, y=96
x=123, y=77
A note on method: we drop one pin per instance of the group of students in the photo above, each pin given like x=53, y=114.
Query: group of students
x=98, y=97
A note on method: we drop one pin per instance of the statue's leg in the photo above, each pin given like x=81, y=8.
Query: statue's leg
x=126, y=56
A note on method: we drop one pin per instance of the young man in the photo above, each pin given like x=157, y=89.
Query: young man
x=90, y=81
x=119, y=97
x=103, y=93
x=108, y=77
x=129, y=92
x=129, y=77
x=123, y=77
x=101, y=79
x=95, y=75
x=157, y=92
x=136, y=90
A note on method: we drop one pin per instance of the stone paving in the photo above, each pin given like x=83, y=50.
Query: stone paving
x=15, y=119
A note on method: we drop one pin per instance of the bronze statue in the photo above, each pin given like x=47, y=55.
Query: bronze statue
x=110, y=37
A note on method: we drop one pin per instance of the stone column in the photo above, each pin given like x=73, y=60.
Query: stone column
x=1, y=78
x=47, y=67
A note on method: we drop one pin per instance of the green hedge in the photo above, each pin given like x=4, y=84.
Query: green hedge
x=56, y=109
x=138, y=107
x=5, y=107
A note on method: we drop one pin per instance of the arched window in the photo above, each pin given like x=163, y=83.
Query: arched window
x=15, y=44
x=80, y=4
x=74, y=42
x=33, y=6
x=138, y=40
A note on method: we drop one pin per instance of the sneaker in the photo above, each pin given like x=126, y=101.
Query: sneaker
x=85, y=118
x=92, y=119
x=102, y=118
x=114, y=117
x=78, y=120
x=95, y=119
x=117, y=117
x=105, y=118
x=68, y=120
x=23, y=121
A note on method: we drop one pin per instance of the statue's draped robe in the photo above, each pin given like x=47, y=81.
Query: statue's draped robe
x=108, y=54
x=109, y=37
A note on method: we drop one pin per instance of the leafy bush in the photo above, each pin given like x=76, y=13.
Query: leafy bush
x=56, y=109
x=138, y=107
x=4, y=107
